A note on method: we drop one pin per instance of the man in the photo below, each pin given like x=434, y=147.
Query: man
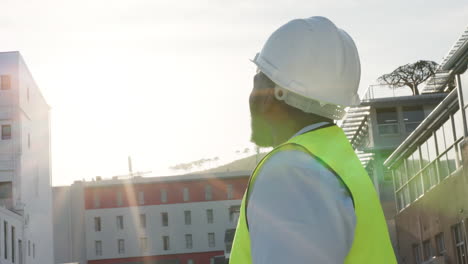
x=309, y=200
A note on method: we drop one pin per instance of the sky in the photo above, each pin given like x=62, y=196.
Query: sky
x=167, y=82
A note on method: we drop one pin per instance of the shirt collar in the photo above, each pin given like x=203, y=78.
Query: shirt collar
x=309, y=128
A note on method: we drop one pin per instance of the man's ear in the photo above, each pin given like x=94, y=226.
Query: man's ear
x=263, y=94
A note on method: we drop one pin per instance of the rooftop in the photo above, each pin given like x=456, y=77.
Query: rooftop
x=175, y=178
x=438, y=82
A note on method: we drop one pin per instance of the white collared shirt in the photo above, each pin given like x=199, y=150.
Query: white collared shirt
x=299, y=211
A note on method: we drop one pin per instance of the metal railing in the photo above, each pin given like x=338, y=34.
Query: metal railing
x=377, y=91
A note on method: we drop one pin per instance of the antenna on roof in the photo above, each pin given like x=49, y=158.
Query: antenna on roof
x=130, y=172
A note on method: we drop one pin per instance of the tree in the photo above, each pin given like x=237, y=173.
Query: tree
x=410, y=75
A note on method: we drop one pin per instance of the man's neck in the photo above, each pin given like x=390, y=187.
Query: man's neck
x=287, y=131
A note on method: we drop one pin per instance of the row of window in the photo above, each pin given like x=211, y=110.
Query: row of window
x=432, y=161
x=164, y=219
x=119, y=198
x=424, y=252
x=144, y=244
x=9, y=249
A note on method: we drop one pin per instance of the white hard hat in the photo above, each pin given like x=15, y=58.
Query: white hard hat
x=314, y=64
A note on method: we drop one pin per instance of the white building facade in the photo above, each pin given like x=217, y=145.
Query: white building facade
x=174, y=219
x=25, y=177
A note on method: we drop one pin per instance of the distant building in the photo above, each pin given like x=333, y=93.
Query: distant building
x=174, y=219
x=377, y=126
x=429, y=172
x=25, y=180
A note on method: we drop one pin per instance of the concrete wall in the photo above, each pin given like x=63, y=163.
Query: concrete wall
x=68, y=213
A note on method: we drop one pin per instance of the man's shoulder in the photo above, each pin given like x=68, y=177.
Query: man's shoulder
x=289, y=157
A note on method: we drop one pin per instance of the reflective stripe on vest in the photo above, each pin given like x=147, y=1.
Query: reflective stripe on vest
x=329, y=145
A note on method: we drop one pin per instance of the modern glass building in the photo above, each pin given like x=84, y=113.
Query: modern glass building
x=429, y=180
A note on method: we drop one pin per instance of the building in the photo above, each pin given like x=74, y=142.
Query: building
x=377, y=126
x=429, y=175
x=25, y=178
x=174, y=219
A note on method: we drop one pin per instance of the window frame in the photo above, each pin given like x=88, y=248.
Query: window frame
x=4, y=134
x=211, y=240
x=121, y=246
x=98, y=247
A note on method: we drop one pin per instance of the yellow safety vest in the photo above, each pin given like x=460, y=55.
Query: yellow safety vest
x=371, y=244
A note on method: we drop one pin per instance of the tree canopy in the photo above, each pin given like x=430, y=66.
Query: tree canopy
x=410, y=75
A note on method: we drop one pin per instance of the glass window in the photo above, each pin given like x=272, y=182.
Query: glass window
x=443, y=167
x=119, y=198
x=431, y=148
x=448, y=132
x=412, y=116
x=417, y=253
x=121, y=246
x=416, y=161
x=440, y=139
x=403, y=173
x=165, y=242
x=97, y=224
x=208, y=192
x=429, y=176
x=163, y=196
x=98, y=247
x=459, y=239
x=464, y=86
x=234, y=212
x=416, y=188
x=5, y=82
x=186, y=194
x=211, y=240
x=409, y=166
x=5, y=239
x=427, y=250
x=188, y=241
x=397, y=177
x=13, y=244
x=188, y=217
x=97, y=200
x=229, y=191
x=406, y=195
x=458, y=120
x=6, y=132
x=387, y=121
x=451, y=159
x=120, y=222
x=141, y=198
x=440, y=243
x=143, y=220
x=144, y=244
x=209, y=216
x=400, y=200
x=165, y=219
x=424, y=154
x=6, y=190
